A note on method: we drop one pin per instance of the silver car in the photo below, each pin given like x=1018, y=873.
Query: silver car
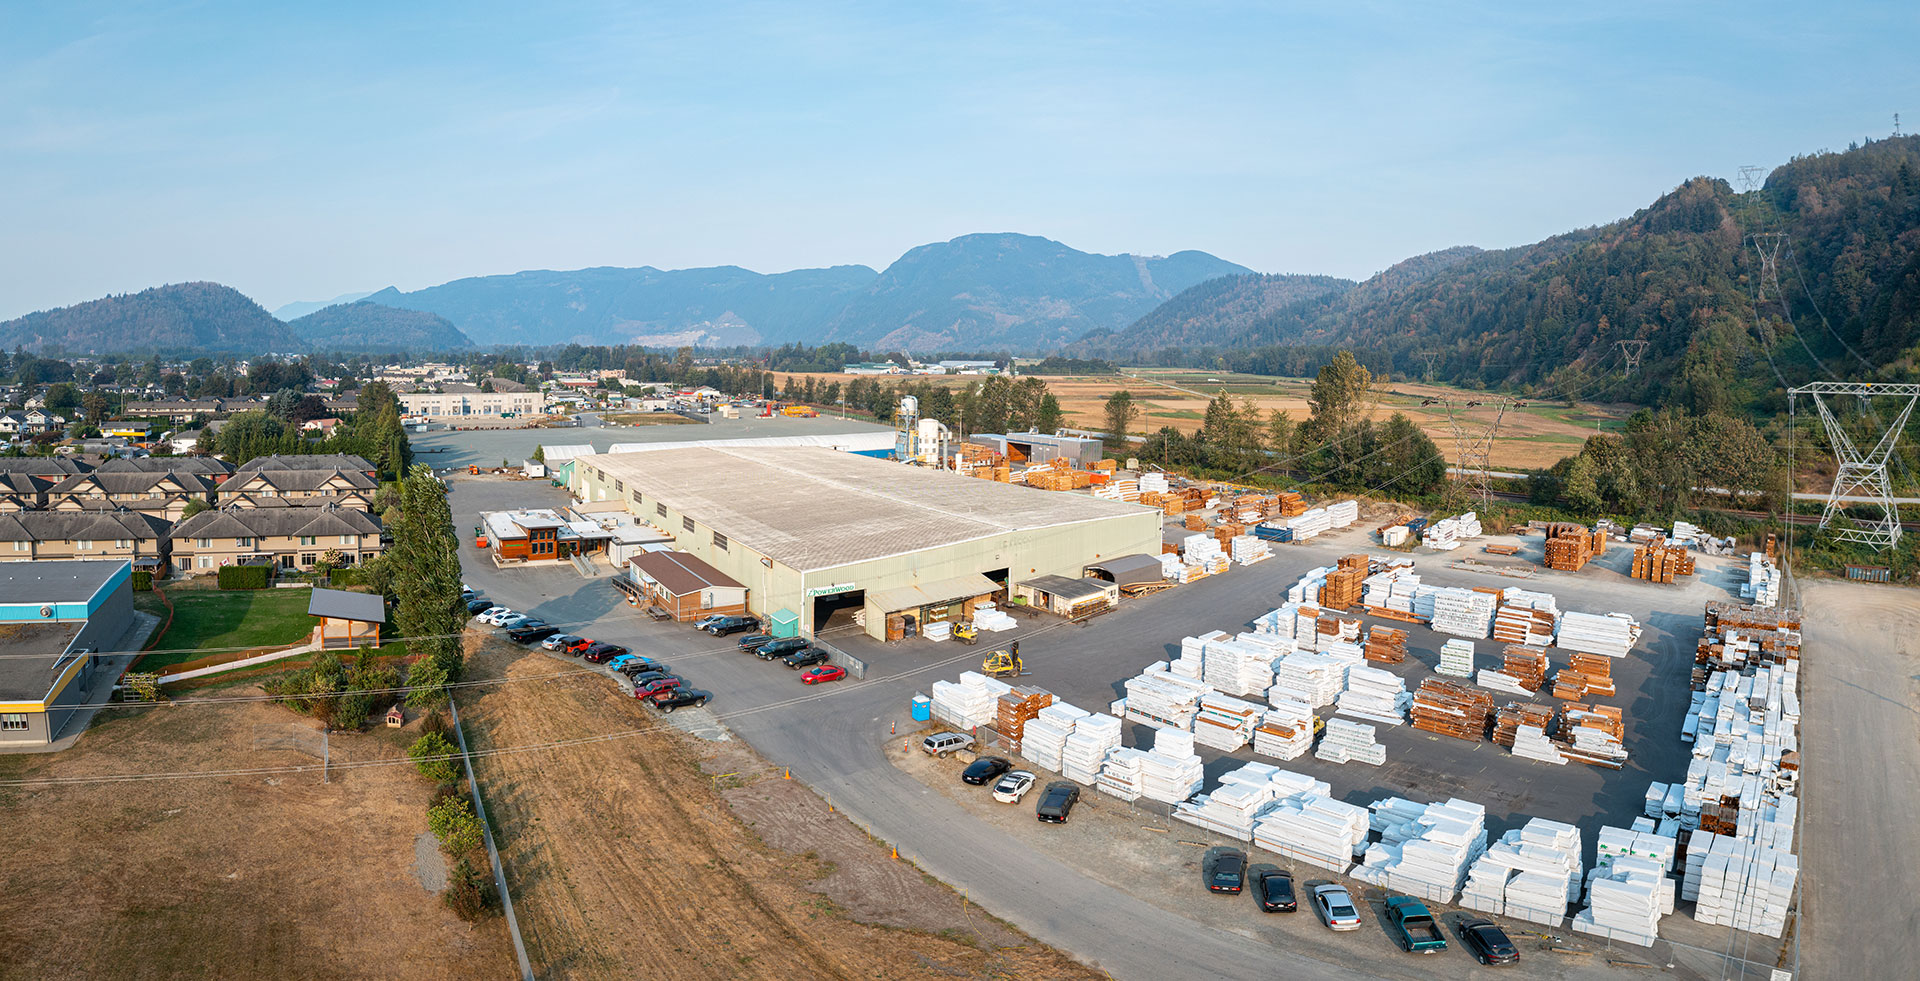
x=1336, y=908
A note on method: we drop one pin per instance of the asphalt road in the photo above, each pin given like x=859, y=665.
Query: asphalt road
x=833, y=738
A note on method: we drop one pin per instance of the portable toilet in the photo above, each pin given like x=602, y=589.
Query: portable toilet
x=922, y=708
x=786, y=623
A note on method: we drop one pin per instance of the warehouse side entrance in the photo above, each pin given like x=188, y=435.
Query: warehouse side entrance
x=837, y=609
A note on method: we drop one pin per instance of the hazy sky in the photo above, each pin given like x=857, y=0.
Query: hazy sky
x=298, y=156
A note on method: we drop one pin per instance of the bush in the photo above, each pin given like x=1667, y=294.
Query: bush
x=245, y=576
x=430, y=745
x=142, y=581
x=451, y=820
x=470, y=891
x=346, y=577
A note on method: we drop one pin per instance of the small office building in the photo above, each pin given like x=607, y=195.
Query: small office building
x=683, y=585
x=55, y=618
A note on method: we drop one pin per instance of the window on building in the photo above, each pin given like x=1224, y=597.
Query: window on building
x=204, y=542
x=206, y=561
x=686, y=522
x=13, y=722
x=636, y=497
x=83, y=544
x=123, y=543
x=719, y=541
x=22, y=546
x=306, y=558
x=243, y=542
x=308, y=540
x=346, y=539
x=619, y=485
x=660, y=509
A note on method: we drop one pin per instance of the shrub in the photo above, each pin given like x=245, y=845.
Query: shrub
x=470, y=892
x=451, y=820
x=244, y=576
x=142, y=581
x=430, y=745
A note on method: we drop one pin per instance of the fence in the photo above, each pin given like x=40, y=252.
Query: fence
x=856, y=668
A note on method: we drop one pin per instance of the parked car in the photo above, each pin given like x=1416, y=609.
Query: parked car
x=1274, y=888
x=982, y=771
x=468, y=592
x=619, y=662
x=643, y=677
x=1409, y=922
x=678, y=697
x=657, y=686
x=1488, y=943
x=489, y=610
x=603, y=652
x=722, y=626
x=477, y=606
x=531, y=631
x=780, y=647
x=942, y=743
x=560, y=642
x=580, y=645
x=1336, y=908
x=1013, y=786
x=753, y=642
x=637, y=666
x=516, y=620
x=497, y=615
x=1056, y=802
x=805, y=657
x=822, y=674
x=1229, y=873
x=701, y=624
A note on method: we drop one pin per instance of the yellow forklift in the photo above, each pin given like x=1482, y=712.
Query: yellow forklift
x=966, y=633
x=1004, y=663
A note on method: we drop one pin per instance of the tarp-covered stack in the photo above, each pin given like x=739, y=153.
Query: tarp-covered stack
x=1171, y=772
x=973, y=701
x=1045, y=738
x=1160, y=697
x=1451, y=709
x=1740, y=884
x=1285, y=730
x=1313, y=828
x=1238, y=667
x=1386, y=645
x=1627, y=891
x=1588, y=674
x=1120, y=773
x=1345, y=742
x=1225, y=723
x=1243, y=796
x=1094, y=736
x=1282, y=622
x=1456, y=659
x=1523, y=673
x=1613, y=634
x=1448, y=533
x=1591, y=734
x=1464, y=612
x=1247, y=549
x=1310, y=678
x=1424, y=849
x=1374, y=694
x=1341, y=514
x=1530, y=874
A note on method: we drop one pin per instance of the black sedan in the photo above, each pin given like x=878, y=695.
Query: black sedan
x=722, y=626
x=1488, y=943
x=1056, y=802
x=805, y=657
x=667, y=701
x=1275, y=890
x=780, y=647
x=1229, y=871
x=475, y=606
x=531, y=631
x=984, y=770
x=753, y=642
x=652, y=674
x=641, y=665
x=602, y=653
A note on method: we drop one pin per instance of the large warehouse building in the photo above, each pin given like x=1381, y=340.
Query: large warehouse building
x=814, y=533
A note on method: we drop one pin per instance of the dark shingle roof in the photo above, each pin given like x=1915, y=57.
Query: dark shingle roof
x=238, y=522
x=59, y=526
x=131, y=483
x=42, y=465
x=166, y=464
x=297, y=480
x=315, y=461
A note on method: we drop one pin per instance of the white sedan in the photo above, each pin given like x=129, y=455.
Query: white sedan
x=1013, y=786
x=497, y=617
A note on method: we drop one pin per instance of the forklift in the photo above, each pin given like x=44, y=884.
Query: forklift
x=966, y=633
x=1004, y=664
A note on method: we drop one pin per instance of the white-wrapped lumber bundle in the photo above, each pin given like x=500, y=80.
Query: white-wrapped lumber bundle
x=1237, y=667
x=1532, y=743
x=1285, y=731
x=1625, y=899
x=1171, y=772
x=1120, y=774
x=1247, y=549
x=1280, y=622
x=1159, y=697
x=1224, y=723
x=1740, y=884
x=1313, y=679
x=1464, y=612
x=1532, y=873
x=1393, y=589
x=1345, y=742
x=1424, y=849
x=1314, y=829
x=1308, y=525
x=1456, y=659
x=1044, y=738
x=1242, y=796
x=1613, y=634
x=1374, y=694
x=1093, y=738
x=1341, y=514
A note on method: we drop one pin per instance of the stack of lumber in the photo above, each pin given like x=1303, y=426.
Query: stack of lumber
x=969, y=703
x=1530, y=874
x=1309, y=678
x=1531, y=742
x=1343, y=513
x=1740, y=884
x=1332, y=631
x=1662, y=563
x=1456, y=659
x=1285, y=731
x=1448, y=533
x=1160, y=697
x=1625, y=900
x=1424, y=849
x=1570, y=546
x=1292, y=504
x=1591, y=734
x=1523, y=673
x=1192, y=659
x=1513, y=715
x=1313, y=828
x=1310, y=523
x=1153, y=482
x=1374, y=694
x=1345, y=583
x=1246, y=550
x=1451, y=709
x=1280, y=623
x=1195, y=522
x=1391, y=593
x=1464, y=612
x=1589, y=674
x=1237, y=667
x=1386, y=645
x=1120, y=774
x=1243, y=796
x=1519, y=625
x=1763, y=580
x=1013, y=710
x=1350, y=742
x=1612, y=635
x=1045, y=737
x=1171, y=772
x=1094, y=736
x=990, y=617
x=1224, y=723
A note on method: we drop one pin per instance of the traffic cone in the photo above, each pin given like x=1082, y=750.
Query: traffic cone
x=890, y=729
x=896, y=853
x=787, y=774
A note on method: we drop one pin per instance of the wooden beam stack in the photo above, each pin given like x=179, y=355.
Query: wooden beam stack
x=1292, y=504
x=1386, y=645
x=1588, y=674
x=1570, y=546
x=1020, y=705
x=1345, y=583
x=1661, y=563
x=1591, y=734
x=1513, y=715
x=1451, y=708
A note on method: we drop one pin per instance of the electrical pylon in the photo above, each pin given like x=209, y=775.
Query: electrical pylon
x=1630, y=352
x=1767, y=246
x=1473, y=442
x=1862, y=476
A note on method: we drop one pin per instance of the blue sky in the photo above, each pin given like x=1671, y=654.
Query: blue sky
x=298, y=155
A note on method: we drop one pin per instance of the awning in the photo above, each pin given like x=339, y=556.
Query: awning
x=1067, y=589
x=931, y=593
x=1129, y=569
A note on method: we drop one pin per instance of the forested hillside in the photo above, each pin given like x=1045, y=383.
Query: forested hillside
x=364, y=326
x=1683, y=275
x=182, y=317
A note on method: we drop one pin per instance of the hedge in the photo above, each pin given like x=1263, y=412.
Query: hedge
x=244, y=576
x=346, y=577
x=142, y=581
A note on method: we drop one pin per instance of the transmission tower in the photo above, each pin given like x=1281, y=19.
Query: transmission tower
x=1862, y=476
x=1473, y=443
x=1767, y=246
x=1431, y=358
x=1750, y=177
x=1630, y=352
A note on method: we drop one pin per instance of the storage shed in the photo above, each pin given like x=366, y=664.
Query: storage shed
x=908, y=609
x=1070, y=598
x=685, y=586
x=347, y=619
x=1128, y=569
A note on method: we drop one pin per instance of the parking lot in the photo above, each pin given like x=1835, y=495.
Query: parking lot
x=1098, y=896
x=450, y=448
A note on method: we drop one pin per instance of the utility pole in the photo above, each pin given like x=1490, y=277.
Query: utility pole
x=1630, y=352
x=1862, y=476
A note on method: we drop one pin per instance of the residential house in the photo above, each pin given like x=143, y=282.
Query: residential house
x=163, y=492
x=289, y=537
x=37, y=421
x=118, y=534
x=11, y=422
x=302, y=481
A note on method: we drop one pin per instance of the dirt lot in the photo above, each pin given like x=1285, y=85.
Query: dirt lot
x=266, y=876
x=661, y=855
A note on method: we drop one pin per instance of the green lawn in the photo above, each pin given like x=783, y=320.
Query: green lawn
x=208, y=621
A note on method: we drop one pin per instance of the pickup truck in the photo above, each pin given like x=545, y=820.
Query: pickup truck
x=1408, y=919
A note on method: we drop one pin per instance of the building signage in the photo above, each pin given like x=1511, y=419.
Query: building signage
x=839, y=587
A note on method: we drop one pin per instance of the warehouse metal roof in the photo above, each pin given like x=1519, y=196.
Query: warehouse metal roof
x=932, y=593
x=814, y=508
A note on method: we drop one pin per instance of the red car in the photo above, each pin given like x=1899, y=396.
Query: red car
x=822, y=674
x=657, y=686
x=580, y=646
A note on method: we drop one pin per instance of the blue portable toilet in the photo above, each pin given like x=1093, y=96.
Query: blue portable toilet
x=922, y=708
